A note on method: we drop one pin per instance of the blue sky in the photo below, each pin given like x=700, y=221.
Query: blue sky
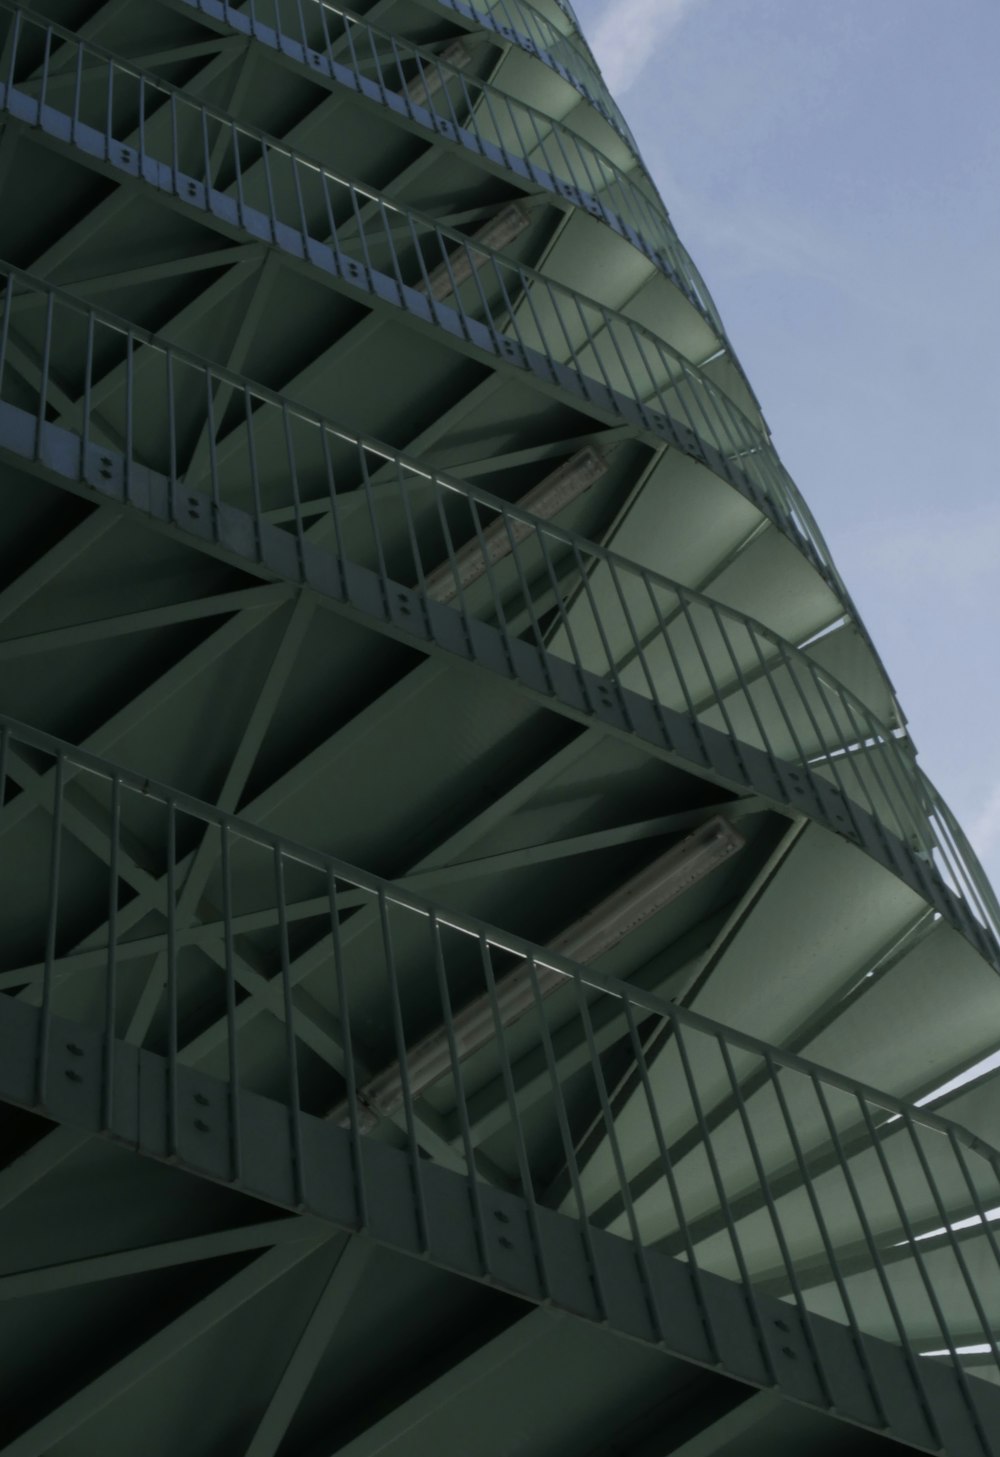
x=834, y=168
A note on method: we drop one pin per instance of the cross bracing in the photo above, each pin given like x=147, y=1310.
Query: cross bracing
x=286, y=1115
x=625, y=631
x=378, y=477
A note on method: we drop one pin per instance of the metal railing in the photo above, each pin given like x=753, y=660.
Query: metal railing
x=444, y=97
x=153, y=918
x=570, y=14
x=516, y=21
x=520, y=22
x=219, y=441
x=256, y=184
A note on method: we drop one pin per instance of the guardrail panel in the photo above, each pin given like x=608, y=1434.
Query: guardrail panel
x=145, y=916
x=151, y=133
x=552, y=596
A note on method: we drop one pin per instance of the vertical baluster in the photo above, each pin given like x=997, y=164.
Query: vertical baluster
x=403, y=493
x=272, y=209
x=930, y=1289
x=8, y=305
x=912, y=1361
x=777, y=1223
x=111, y=967
x=562, y=609
x=954, y=1242
x=232, y=1030
x=172, y=982
x=51, y=933
x=707, y=1143
x=342, y=991
x=369, y=496
x=516, y=1122
x=614, y=1143
x=399, y=1037
x=74, y=130
x=335, y=521
x=291, y=1051
x=612, y=661
x=461, y=1099
x=129, y=413
x=43, y=387
x=15, y=40
x=173, y=483
x=258, y=512
x=293, y=478
x=526, y=593
x=47, y=57
x=748, y=698
x=667, y=1164
x=682, y=682
x=495, y=593
x=956, y=1138
x=815, y=1204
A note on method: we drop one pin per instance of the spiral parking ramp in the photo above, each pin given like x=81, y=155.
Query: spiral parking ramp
x=483, y=968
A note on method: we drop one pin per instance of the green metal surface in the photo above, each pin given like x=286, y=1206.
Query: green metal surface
x=144, y=1306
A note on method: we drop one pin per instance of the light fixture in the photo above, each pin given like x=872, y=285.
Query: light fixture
x=500, y=230
x=983, y=1349
x=431, y=79
x=990, y=1216
x=546, y=499
x=638, y=899
x=614, y=918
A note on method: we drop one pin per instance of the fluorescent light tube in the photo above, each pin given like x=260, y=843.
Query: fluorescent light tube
x=496, y=233
x=431, y=78
x=614, y=918
x=976, y=1350
x=547, y=499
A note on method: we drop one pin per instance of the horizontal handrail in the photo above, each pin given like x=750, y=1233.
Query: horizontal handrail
x=517, y=21
x=212, y=162
x=569, y=13
x=15, y=733
x=803, y=1168
x=624, y=629
x=961, y=849
x=520, y=22
x=444, y=97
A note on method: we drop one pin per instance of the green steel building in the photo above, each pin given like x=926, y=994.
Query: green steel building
x=483, y=969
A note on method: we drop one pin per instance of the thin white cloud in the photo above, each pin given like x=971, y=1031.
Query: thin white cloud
x=629, y=31
x=955, y=550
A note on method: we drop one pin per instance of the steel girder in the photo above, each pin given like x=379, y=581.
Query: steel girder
x=465, y=748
